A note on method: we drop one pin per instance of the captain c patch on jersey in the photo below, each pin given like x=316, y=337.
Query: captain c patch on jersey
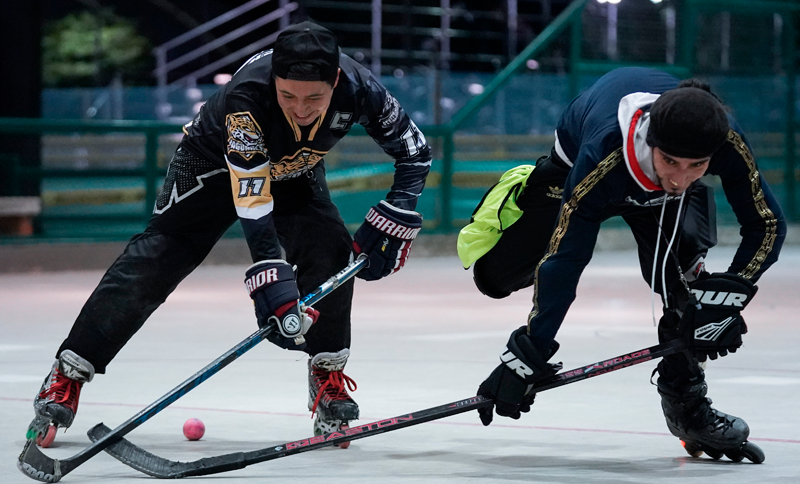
x=244, y=135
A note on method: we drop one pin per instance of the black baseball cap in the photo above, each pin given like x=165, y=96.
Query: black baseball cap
x=688, y=122
x=306, y=52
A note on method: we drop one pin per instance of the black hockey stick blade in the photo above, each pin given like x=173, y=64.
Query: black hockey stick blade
x=36, y=465
x=138, y=458
x=148, y=463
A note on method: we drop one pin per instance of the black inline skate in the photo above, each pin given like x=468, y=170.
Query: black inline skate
x=691, y=418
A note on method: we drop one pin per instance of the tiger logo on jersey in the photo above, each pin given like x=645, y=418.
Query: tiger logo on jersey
x=295, y=165
x=244, y=135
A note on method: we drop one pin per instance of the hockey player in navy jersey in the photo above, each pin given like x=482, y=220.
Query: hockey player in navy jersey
x=633, y=145
x=254, y=153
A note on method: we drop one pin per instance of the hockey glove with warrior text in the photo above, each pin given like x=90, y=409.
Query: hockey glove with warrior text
x=386, y=236
x=521, y=365
x=713, y=314
x=272, y=287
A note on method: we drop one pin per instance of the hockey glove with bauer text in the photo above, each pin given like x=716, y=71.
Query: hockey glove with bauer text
x=273, y=288
x=714, y=315
x=385, y=237
x=521, y=365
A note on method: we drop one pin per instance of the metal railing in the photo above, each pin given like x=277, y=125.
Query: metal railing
x=164, y=66
x=149, y=172
x=569, y=18
x=789, y=10
x=442, y=181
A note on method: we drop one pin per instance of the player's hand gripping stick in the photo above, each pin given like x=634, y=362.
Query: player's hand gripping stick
x=272, y=286
x=36, y=465
x=138, y=458
x=712, y=322
x=522, y=363
x=385, y=237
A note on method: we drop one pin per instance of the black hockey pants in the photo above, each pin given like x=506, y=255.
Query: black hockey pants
x=511, y=264
x=193, y=211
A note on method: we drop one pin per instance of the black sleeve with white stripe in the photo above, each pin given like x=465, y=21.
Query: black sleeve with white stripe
x=389, y=125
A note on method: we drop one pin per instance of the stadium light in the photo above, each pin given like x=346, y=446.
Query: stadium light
x=475, y=88
x=222, y=79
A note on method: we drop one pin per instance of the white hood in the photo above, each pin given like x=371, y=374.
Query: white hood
x=634, y=124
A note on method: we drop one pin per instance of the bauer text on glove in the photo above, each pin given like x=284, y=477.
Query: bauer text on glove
x=522, y=363
x=714, y=315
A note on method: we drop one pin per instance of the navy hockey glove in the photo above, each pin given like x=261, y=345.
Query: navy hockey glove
x=522, y=364
x=713, y=314
x=272, y=287
x=386, y=236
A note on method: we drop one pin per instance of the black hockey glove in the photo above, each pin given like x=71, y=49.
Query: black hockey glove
x=272, y=287
x=713, y=314
x=386, y=236
x=522, y=364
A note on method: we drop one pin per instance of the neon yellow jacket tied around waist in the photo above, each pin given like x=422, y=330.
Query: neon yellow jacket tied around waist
x=496, y=212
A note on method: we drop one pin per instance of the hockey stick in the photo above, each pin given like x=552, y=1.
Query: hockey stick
x=141, y=460
x=33, y=463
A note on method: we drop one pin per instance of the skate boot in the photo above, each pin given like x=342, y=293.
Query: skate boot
x=57, y=402
x=327, y=393
x=702, y=428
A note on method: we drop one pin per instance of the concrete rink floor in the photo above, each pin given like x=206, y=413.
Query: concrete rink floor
x=421, y=338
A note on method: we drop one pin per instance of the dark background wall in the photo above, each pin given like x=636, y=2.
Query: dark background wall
x=20, y=87
x=21, y=28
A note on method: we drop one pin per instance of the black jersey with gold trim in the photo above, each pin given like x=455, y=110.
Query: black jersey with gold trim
x=242, y=126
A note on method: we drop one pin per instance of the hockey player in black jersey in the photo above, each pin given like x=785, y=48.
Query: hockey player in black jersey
x=634, y=145
x=254, y=153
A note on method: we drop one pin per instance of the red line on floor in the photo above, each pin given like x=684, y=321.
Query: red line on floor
x=468, y=424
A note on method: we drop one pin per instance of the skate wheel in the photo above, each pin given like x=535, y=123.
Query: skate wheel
x=734, y=455
x=752, y=452
x=344, y=445
x=46, y=439
x=692, y=449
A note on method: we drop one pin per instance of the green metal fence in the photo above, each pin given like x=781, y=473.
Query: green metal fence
x=113, y=197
